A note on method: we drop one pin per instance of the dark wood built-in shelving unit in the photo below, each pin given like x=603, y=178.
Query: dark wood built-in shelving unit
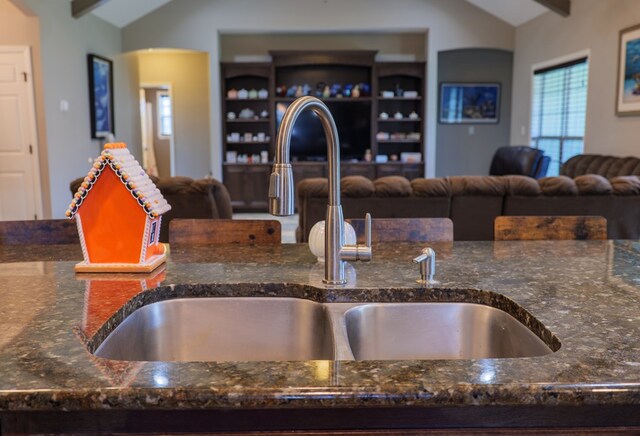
x=248, y=182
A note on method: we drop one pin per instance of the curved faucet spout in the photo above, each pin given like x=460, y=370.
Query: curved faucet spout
x=281, y=190
x=283, y=140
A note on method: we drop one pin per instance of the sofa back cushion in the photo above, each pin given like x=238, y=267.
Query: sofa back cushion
x=606, y=166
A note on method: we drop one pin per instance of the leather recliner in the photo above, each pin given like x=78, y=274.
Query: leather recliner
x=519, y=160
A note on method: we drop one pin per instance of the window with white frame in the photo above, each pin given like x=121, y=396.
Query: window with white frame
x=559, y=109
x=164, y=115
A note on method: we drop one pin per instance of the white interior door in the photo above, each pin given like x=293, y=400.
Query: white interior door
x=19, y=174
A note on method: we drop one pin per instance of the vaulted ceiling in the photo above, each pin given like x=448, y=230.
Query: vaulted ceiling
x=123, y=12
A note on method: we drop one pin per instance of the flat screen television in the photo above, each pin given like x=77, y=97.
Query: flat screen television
x=308, y=142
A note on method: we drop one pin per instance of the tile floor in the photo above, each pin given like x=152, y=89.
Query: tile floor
x=288, y=223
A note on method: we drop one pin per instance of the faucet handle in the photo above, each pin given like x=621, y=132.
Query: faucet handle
x=367, y=230
x=360, y=252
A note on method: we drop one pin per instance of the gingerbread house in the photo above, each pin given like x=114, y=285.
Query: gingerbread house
x=118, y=211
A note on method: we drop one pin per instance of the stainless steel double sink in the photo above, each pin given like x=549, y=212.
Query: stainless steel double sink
x=269, y=328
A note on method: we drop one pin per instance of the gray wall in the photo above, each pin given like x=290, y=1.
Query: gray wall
x=198, y=24
x=467, y=149
x=593, y=26
x=65, y=43
x=188, y=74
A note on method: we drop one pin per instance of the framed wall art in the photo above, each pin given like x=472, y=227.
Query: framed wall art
x=628, y=91
x=101, y=96
x=469, y=103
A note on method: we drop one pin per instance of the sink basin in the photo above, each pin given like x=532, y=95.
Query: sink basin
x=269, y=328
x=223, y=329
x=438, y=331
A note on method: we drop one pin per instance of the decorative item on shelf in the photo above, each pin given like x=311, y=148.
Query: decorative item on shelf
x=114, y=235
x=410, y=94
x=410, y=157
x=319, y=88
x=232, y=94
x=243, y=94
x=398, y=90
x=382, y=158
x=299, y=91
x=291, y=92
x=365, y=90
x=346, y=90
x=263, y=93
x=413, y=115
x=256, y=158
x=336, y=90
x=281, y=91
x=232, y=156
x=261, y=137
x=243, y=158
x=253, y=94
x=386, y=94
x=382, y=136
x=368, y=156
x=264, y=114
x=398, y=136
x=306, y=89
x=414, y=135
x=264, y=156
x=316, y=238
x=383, y=116
x=326, y=91
x=246, y=114
x=393, y=158
x=233, y=137
x=231, y=115
x=398, y=116
x=355, y=92
x=248, y=137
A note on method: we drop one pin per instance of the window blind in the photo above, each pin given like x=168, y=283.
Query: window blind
x=559, y=109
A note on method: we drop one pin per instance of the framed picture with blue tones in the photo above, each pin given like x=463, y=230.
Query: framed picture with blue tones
x=628, y=101
x=101, y=96
x=469, y=103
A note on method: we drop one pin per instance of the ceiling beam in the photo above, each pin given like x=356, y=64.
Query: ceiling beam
x=81, y=7
x=561, y=7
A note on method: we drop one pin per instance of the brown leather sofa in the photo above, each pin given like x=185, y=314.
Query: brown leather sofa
x=606, y=166
x=473, y=202
x=204, y=198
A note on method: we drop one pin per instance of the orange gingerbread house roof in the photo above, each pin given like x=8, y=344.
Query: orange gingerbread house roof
x=132, y=176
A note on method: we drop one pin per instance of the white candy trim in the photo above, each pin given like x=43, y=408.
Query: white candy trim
x=83, y=244
x=145, y=238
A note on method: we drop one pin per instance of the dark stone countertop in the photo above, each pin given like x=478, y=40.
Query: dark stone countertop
x=587, y=293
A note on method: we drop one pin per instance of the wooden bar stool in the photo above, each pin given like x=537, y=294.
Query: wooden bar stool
x=531, y=228
x=219, y=231
x=41, y=232
x=406, y=229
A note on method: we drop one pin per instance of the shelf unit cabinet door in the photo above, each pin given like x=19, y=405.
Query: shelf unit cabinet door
x=257, y=186
x=248, y=186
x=358, y=169
x=306, y=170
x=408, y=170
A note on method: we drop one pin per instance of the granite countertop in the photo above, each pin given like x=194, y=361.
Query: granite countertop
x=587, y=293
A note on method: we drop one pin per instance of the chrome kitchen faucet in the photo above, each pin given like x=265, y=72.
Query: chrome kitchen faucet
x=281, y=190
